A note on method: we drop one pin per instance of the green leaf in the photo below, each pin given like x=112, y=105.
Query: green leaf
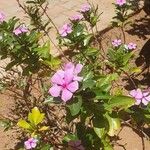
x=47, y=147
x=88, y=81
x=114, y=124
x=70, y=137
x=87, y=39
x=100, y=127
x=104, y=80
x=127, y=57
x=122, y=102
x=35, y=117
x=75, y=106
x=44, y=51
x=91, y=51
x=101, y=95
x=24, y=124
x=52, y=62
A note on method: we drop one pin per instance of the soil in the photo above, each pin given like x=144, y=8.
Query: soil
x=139, y=33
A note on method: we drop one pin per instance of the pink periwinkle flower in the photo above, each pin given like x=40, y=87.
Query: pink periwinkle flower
x=21, y=29
x=30, y=143
x=85, y=8
x=65, y=82
x=140, y=96
x=116, y=42
x=2, y=17
x=77, y=17
x=76, y=145
x=65, y=30
x=121, y=2
x=131, y=46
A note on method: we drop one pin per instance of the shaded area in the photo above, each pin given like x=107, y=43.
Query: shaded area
x=142, y=61
x=140, y=27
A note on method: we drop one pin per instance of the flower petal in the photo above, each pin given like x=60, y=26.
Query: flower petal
x=139, y=94
x=138, y=101
x=57, y=78
x=78, y=68
x=66, y=95
x=133, y=93
x=147, y=98
x=33, y=144
x=144, y=101
x=27, y=145
x=55, y=90
x=68, y=76
x=77, y=78
x=69, y=65
x=73, y=86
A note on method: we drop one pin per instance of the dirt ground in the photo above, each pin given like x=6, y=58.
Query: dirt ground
x=139, y=33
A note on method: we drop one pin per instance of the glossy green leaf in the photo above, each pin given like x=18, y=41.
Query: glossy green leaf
x=122, y=102
x=100, y=127
x=35, y=117
x=75, y=106
x=24, y=124
x=114, y=124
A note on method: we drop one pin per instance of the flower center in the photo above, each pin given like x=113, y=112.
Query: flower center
x=64, y=85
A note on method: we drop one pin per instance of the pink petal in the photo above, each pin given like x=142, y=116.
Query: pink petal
x=17, y=32
x=147, y=98
x=57, y=78
x=64, y=34
x=69, y=30
x=145, y=94
x=69, y=65
x=144, y=101
x=33, y=144
x=138, y=101
x=73, y=86
x=65, y=26
x=68, y=76
x=66, y=95
x=55, y=90
x=139, y=94
x=77, y=78
x=78, y=68
x=27, y=145
x=133, y=93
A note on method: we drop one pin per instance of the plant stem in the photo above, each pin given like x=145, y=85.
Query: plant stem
x=126, y=73
x=123, y=33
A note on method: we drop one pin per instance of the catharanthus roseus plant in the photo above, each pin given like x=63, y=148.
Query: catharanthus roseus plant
x=36, y=140
x=123, y=7
x=92, y=105
x=83, y=104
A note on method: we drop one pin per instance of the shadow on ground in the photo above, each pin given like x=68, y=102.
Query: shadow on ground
x=141, y=27
x=143, y=61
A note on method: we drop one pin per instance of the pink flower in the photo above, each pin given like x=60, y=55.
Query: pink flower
x=76, y=145
x=65, y=82
x=77, y=17
x=75, y=69
x=121, y=2
x=2, y=17
x=140, y=97
x=85, y=8
x=131, y=46
x=30, y=143
x=65, y=30
x=21, y=29
x=116, y=42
